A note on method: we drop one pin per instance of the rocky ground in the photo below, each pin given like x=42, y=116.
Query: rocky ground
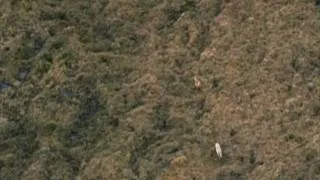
x=141, y=90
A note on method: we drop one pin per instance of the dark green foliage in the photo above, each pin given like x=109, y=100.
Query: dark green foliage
x=57, y=43
x=19, y=139
x=53, y=15
x=85, y=128
x=141, y=150
x=30, y=46
x=162, y=119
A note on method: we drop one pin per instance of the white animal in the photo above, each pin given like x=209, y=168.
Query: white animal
x=218, y=150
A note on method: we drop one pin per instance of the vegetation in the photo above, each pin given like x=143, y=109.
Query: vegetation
x=104, y=89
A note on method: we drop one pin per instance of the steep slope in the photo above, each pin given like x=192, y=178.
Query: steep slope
x=105, y=89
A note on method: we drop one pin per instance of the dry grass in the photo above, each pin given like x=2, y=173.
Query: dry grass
x=144, y=89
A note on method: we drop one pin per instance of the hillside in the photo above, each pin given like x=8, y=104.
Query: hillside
x=143, y=89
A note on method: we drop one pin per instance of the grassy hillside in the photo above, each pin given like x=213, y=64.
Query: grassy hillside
x=106, y=89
